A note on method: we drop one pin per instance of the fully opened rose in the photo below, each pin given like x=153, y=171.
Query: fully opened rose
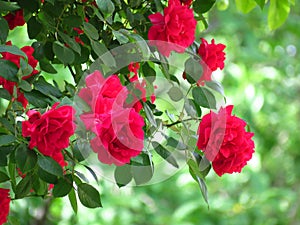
x=173, y=31
x=50, y=132
x=224, y=141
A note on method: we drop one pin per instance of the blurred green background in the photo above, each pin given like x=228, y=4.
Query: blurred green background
x=262, y=79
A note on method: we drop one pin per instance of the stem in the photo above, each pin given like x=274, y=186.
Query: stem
x=180, y=121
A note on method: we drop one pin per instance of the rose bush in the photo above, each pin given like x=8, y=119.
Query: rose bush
x=133, y=111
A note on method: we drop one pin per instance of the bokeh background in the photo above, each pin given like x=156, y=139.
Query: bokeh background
x=262, y=79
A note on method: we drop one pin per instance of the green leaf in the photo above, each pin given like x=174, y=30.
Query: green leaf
x=12, y=173
x=47, y=89
x=204, y=97
x=202, y=6
x=142, y=173
x=149, y=115
x=106, y=7
x=39, y=186
x=7, y=139
x=4, y=29
x=34, y=27
x=49, y=165
x=193, y=70
x=70, y=41
x=25, y=86
x=25, y=158
x=245, y=6
x=63, y=186
x=278, y=13
x=89, y=196
x=123, y=175
x=9, y=70
x=5, y=94
x=13, y=50
x=122, y=39
x=24, y=187
x=31, y=6
x=37, y=99
x=104, y=54
x=47, y=67
x=176, y=144
x=7, y=125
x=8, y=6
x=165, y=154
x=63, y=53
x=192, y=109
x=90, y=31
x=73, y=200
x=175, y=94
x=216, y=86
x=73, y=21
x=3, y=177
x=149, y=72
x=92, y=172
x=142, y=168
x=261, y=3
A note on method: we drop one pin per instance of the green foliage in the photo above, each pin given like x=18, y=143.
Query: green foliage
x=278, y=13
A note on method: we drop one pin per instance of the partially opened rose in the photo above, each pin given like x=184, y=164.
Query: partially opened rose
x=51, y=131
x=224, y=141
x=213, y=57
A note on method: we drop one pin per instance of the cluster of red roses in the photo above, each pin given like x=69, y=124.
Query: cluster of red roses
x=118, y=128
x=175, y=31
x=10, y=85
x=222, y=136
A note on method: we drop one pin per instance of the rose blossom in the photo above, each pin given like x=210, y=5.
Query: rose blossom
x=15, y=19
x=213, y=57
x=177, y=27
x=51, y=131
x=4, y=205
x=224, y=141
x=9, y=85
x=119, y=133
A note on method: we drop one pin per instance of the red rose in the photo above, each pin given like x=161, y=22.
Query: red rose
x=119, y=133
x=119, y=137
x=51, y=131
x=212, y=56
x=9, y=85
x=15, y=19
x=224, y=141
x=4, y=205
x=177, y=27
